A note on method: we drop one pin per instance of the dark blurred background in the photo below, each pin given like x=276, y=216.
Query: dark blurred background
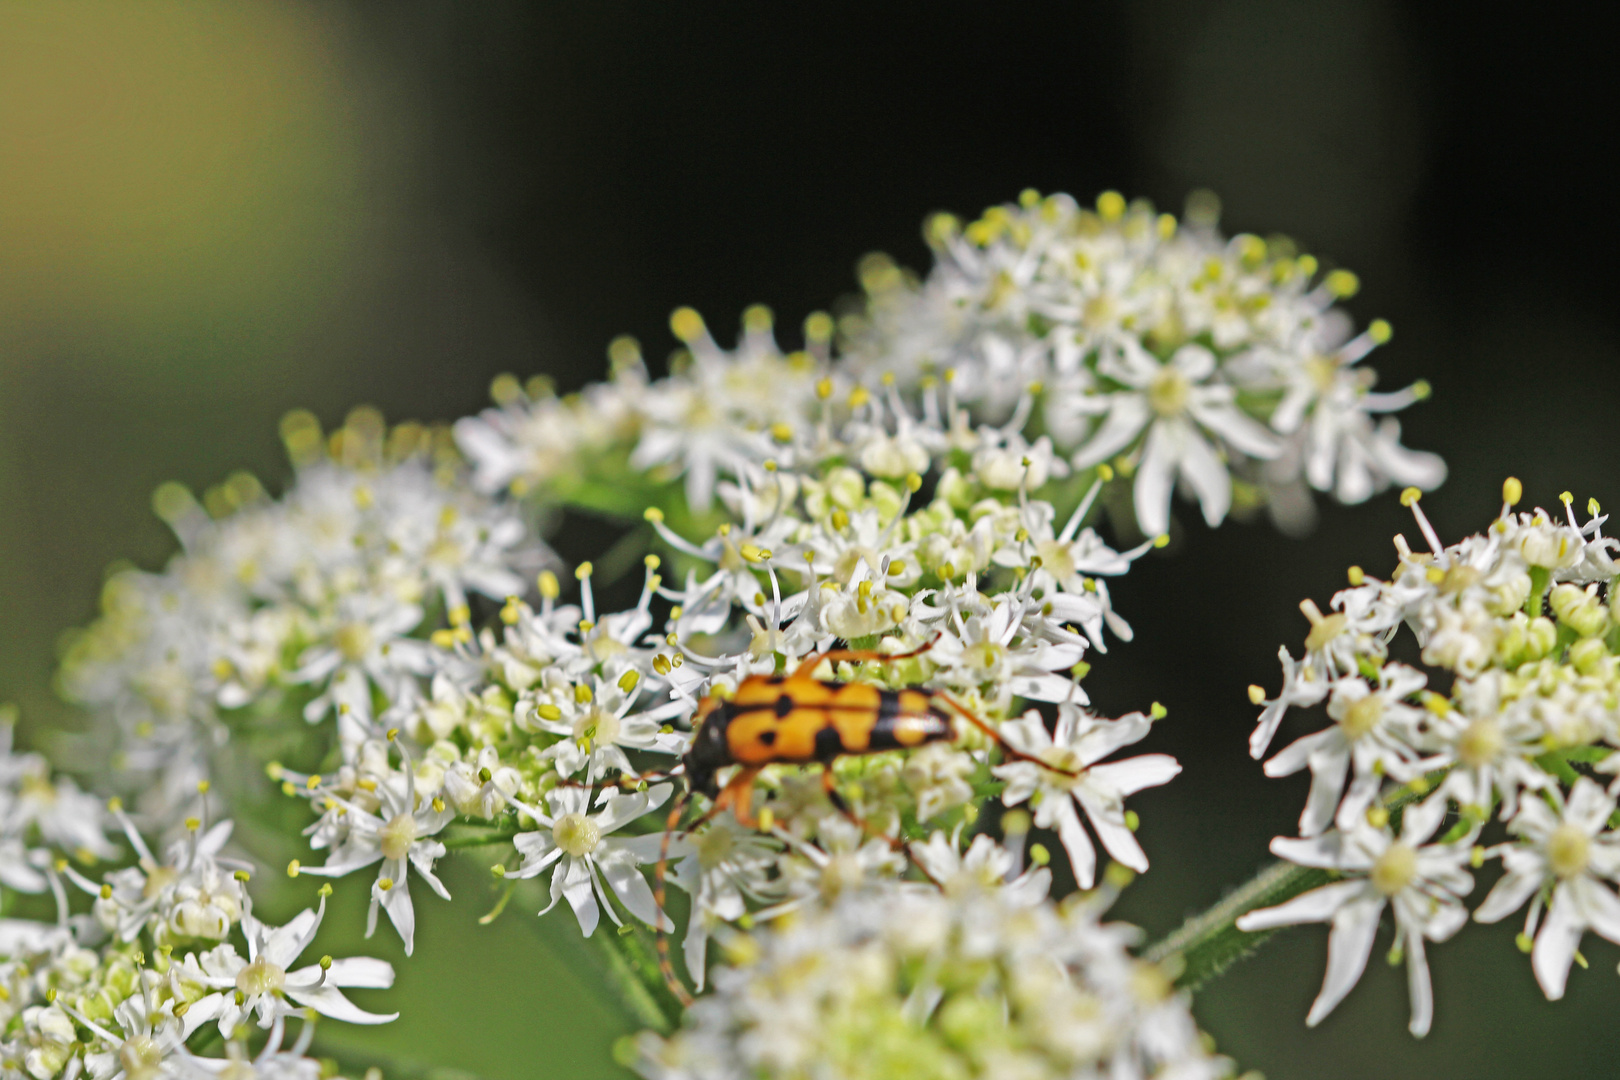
x=212, y=214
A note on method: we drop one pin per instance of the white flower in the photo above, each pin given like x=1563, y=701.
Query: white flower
x=937, y=775
x=1565, y=851
x=997, y=647
x=401, y=836
x=145, y=1047
x=729, y=865
x=1339, y=448
x=1373, y=738
x=597, y=731
x=1423, y=883
x=31, y=798
x=985, y=865
x=366, y=644
x=585, y=853
x=192, y=894
x=1299, y=690
x=1175, y=405
x=843, y=861
x=271, y=1062
x=263, y=983
x=1011, y=463
x=1070, y=774
x=867, y=987
x=1491, y=749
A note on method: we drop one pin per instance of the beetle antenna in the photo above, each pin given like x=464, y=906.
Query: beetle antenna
x=1006, y=748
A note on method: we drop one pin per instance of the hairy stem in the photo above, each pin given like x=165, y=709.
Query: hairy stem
x=1209, y=942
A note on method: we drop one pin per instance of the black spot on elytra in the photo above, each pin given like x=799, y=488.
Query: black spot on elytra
x=828, y=744
x=767, y=737
x=784, y=705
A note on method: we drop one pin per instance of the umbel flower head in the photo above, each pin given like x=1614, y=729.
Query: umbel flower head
x=905, y=511
x=1520, y=623
x=123, y=991
x=1193, y=355
x=896, y=981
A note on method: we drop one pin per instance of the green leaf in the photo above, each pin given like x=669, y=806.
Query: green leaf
x=1555, y=764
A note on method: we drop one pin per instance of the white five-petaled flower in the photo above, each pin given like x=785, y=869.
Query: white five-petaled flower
x=728, y=866
x=401, y=836
x=579, y=842
x=1491, y=749
x=1069, y=774
x=145, y=1046
x=1423, y=882
x=193, y=894
x=368, y=644
x=997, y=646
x=263, y=984
x=1564, y=852
x=1175, y=403
x=1372, y=739
x=986, y=865
x=597, y=731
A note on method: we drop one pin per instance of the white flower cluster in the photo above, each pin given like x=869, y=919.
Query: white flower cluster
x=1518, y=630
x=1195, y=356
x=972, y=982
x=41, y=814
x=558, y=726
x=119, y=990
x=870, y=612
x=314, y=602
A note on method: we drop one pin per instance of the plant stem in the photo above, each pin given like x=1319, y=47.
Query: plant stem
x=633, y=966
x=1209, y=942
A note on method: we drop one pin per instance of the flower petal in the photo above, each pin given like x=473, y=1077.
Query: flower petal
x=1354, y=928
x=1318, y=905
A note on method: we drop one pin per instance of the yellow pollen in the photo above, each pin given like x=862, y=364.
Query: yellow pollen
x=1362, y=716
x=1168, y=392
x=1394, y=870
x=396, y=837
x=1481, y=743
x=1568, y=850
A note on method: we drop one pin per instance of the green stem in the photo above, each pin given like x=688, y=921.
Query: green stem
x=1210, y=942
x=633, y=966
x=1540, y=577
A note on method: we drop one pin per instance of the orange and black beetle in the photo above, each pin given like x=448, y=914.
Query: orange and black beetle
x=797, y=720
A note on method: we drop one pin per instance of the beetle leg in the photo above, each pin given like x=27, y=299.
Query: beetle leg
x=738, y=796
x=660, y=895
x=829, y=786
x=896, y=844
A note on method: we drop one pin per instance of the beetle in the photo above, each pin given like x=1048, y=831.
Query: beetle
x=798, y=719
